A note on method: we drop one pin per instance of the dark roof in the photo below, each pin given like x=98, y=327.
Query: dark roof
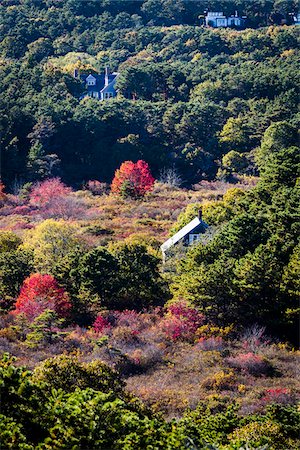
x=100, y=80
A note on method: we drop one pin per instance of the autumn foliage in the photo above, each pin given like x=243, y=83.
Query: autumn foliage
x=3, y=196
x=40, y=292
x=182, y=321
x=132, y=179
x=101, y=324
x=46, y=191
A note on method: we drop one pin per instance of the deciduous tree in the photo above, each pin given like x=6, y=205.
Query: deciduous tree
x=40, y=293
x=133, y=179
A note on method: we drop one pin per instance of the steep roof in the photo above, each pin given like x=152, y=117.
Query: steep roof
x=100, y=81
x=195, y=223
x=112, y=78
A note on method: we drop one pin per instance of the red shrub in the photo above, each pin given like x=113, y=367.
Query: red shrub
x=42, y=193
x=101, y=324
x=251, y=363
x=41, y=292
x=277, y=395
x=133, y=179
x=182, y=321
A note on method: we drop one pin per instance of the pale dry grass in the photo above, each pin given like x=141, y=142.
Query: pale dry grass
x=152, y=216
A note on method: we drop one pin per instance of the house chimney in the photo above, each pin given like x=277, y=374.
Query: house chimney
x=200, y=214
x=75, y=74
x=107, y=72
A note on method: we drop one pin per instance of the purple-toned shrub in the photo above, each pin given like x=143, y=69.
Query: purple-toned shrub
x=250, y=363
x=211, y=343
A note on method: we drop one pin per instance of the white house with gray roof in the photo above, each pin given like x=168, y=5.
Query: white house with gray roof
x=219, y=20
x=99, y=86
x=188, y=235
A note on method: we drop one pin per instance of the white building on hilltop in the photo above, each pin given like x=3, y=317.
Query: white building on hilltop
x=219, y=20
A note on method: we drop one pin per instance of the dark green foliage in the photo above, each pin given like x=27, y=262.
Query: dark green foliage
x=9, y=241
x=199, y=92
x=98, y=271
x=15, y=266
x=141, y=285
x=61, y=405
x=67, y=373
x=247, y=273
x=127, y=278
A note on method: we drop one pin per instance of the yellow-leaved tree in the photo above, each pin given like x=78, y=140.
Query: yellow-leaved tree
x=50, y=241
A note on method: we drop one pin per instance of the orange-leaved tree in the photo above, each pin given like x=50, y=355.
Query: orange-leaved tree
x=132, y=179
x=40, y=292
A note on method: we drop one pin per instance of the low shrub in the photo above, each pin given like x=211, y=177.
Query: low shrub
x=223, y=380
x=260, y=434
x=212, y=343
x=208, y=331
x=101, y=325
x=181, y=321
x=67, y=373
x=250, y=363
x=254, y=338
x=278, y=395
x=97, y=187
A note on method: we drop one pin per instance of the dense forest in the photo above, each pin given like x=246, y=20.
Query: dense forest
x=104, y=344
x=199, y=93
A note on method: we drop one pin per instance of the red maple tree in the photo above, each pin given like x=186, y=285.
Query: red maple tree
x=44, y=192
x=40, y=292
x=132, y=179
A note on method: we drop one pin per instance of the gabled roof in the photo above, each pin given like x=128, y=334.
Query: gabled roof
x=111, y=82
x=183, y=232
x=100, y=81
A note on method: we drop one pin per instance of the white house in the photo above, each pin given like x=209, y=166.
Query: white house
x=297, y=19
x=219, y=20
x=215, y=19
x=99, y=86
x=188, y=235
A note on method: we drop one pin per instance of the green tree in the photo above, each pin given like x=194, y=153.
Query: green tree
x=15, y=266
x=99, y=274
x=141, y=285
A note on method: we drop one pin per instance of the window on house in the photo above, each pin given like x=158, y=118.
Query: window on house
x=193, y=238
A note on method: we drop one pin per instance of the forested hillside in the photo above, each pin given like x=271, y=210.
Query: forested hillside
x=199, y=93
x=105, y=343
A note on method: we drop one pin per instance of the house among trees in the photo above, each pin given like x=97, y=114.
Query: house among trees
x=219, y=20
x=188, y=235
x=99, y=86
x=297, y=19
